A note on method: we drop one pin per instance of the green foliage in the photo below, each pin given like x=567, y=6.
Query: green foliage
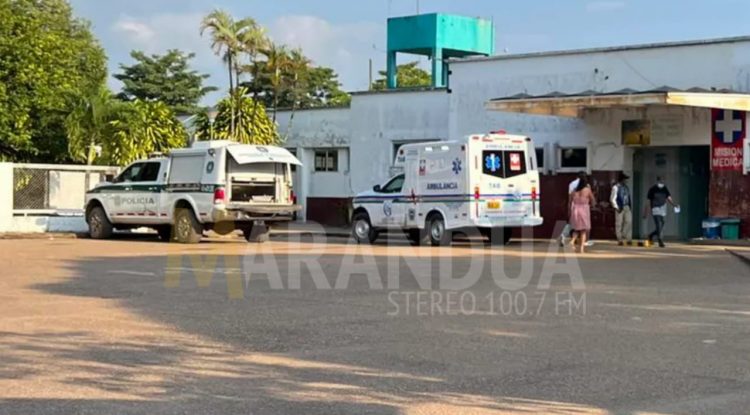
x=122, y=131
x=143, y=128
x=89, y=124
x=47, y=57
x=408, y=75
x=166, y=78
x=287, y=80
x=252, y=125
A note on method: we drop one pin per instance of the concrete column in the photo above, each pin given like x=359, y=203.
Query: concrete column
x=437, y=67
x=6, y=199
x=391, y=70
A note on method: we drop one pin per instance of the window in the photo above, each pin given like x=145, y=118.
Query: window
x=540, y=158
x=394, y=186
x=327, y=160
x=503, y=164
x=150, y=172
x=573, y=158
x=130, y=174
x=515, y=163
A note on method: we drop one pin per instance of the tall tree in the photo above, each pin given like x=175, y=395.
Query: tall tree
x=226, y=41
x=166, y=78
x=47, y=57
x=408, y=75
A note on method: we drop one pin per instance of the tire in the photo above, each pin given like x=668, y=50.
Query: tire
x=99, y=226
x=497, y=236
x=362, y=229
x=187, y=229
x=257, y=233
x=165, y=233
x=436, y=232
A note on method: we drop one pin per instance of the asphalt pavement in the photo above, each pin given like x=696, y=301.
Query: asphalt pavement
x=313, y=326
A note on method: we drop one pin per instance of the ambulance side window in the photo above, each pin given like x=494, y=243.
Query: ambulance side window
x=394, y=186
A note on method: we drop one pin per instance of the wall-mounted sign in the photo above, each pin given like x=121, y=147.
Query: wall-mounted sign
x=728, y=130
x=636, y=132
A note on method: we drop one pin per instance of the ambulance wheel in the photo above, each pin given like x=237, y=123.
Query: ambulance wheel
x=362, y=229
x=436, y=232
x=257, y=233
x=99, y=226
x=187, y=229
x=165, y=233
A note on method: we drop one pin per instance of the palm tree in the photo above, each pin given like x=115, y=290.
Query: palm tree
x=88, y=124
x=278, y=62
x=298, y=66
x=226, y=35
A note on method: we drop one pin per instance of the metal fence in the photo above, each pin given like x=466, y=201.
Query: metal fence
x=51, y=189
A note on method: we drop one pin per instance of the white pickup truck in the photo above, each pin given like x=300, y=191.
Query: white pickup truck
x=214, y=185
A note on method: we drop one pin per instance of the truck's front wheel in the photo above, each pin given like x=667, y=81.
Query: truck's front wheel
x=187, y=229
x=99, y=226
x=362, y=229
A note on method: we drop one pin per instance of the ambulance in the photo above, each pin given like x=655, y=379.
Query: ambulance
x=486, y=182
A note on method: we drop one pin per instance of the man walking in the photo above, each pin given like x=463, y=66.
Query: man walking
x=658, y=197
x=620, y=199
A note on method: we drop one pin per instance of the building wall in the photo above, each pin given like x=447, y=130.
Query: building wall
x=375, y=121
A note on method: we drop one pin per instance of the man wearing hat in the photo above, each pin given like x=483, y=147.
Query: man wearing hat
x=622, y=202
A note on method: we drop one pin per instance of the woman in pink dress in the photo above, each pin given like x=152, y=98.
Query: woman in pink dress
x=580, y=202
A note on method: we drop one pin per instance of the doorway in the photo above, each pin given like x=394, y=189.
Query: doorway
x=685, y=171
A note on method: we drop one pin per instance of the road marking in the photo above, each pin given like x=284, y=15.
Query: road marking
x=127, y=272
x=709, y=341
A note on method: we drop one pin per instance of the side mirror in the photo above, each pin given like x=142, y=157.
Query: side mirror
x=109, y=177
x=376, y=188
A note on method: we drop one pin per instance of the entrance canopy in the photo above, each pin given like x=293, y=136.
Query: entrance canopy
x=574, y=105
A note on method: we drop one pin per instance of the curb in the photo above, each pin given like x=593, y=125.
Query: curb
x=742, y=257
x=42, y=235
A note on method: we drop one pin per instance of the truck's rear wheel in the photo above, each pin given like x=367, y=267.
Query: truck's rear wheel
x=99, y=226
x=187, y=229
x=436, y=231
x=257, y=233
x=362, y=229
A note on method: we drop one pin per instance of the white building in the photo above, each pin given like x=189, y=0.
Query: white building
x=573, y=104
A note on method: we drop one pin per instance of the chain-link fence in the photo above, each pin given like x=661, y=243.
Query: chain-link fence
x=54, y=189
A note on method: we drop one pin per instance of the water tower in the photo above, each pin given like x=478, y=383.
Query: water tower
x=438, y=36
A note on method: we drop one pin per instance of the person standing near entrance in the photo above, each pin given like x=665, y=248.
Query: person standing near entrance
x=581, y=201
x=621, y=201
x=571, y=189
x=658, y=197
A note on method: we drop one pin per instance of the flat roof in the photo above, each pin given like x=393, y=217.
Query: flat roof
x=573, y=105
x=606, y=49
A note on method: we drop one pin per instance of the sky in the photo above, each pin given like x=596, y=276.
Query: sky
x=345, y=34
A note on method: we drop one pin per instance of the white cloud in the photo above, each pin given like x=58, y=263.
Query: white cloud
x=134, y=30
x=604, y=6
x=345, y=47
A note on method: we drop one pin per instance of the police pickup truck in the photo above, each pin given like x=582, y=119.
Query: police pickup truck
x=214, y=185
